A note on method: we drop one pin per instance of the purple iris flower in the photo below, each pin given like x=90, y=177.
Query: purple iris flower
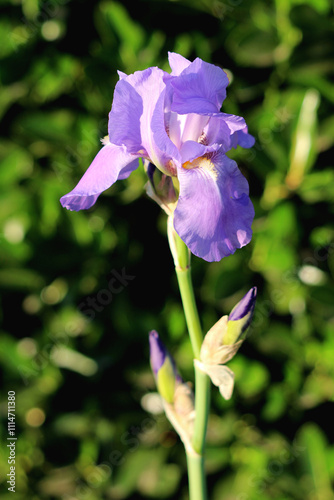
x=174, y=121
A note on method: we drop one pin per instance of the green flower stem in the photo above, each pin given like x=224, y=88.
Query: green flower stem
x=196, y=475
x=202, y=406
x=195, y=456
x=190, y=309
x=195, y=460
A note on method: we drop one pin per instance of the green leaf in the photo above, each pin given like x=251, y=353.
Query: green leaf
x=314, y=448
x=318, y=186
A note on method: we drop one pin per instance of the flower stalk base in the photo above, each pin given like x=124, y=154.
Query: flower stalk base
x=195, y=453
x=196, y=476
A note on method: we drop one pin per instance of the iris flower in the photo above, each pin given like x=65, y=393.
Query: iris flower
x=174, y=122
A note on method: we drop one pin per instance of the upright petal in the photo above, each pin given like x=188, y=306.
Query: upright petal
x=177, y=63
x=164, y=153
x=217, y=132
x=200, y=88
x=111, y=163
x=138, y=113
x=214, y=213
x=125, y=115
x=193, y=126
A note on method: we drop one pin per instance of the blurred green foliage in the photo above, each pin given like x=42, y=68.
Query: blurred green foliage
x=87, y=421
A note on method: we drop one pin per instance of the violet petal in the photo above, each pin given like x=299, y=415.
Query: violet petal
x=200, y=88
x=214, y=213
x=111, y=163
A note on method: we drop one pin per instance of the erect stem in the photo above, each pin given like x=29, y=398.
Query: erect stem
x=195, y=456
x=196, y=477
x=202, y=407
x=190, y=309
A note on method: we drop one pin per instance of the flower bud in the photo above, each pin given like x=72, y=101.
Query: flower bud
x=240, y=318
x=163, y=368
x=213, y=350
x=222, y=342
x=177, y=396
x=161, y=188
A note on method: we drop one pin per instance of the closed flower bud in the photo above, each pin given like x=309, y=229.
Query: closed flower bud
x=161, y=188
x=222, y=342
x=213, y=350
x=177, y=396
x=240, y=318
x=163, y=368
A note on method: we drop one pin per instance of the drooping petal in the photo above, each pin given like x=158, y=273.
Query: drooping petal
x=214, y=213
x=111, y=163
x=242, y=138
x=239, y=131
x=234, y=122
x=200, y=88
